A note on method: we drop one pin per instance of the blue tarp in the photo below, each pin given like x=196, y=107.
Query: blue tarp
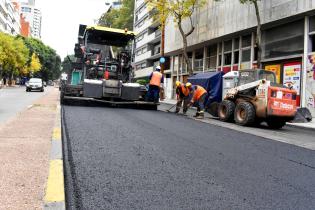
x=212, y=82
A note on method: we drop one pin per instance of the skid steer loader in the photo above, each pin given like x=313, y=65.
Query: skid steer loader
x=258, y=98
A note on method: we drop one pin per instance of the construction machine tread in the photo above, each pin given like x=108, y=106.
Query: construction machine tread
x=226, y=110
x=245, y=114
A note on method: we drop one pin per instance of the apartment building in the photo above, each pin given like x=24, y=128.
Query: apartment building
x=33, y=16
x=147, y=49
x=9, y=17
x=148, y=40
x=224, y=40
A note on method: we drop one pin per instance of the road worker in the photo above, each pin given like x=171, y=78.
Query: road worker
x=198, y=98
x=156, y=82
x=182, y=94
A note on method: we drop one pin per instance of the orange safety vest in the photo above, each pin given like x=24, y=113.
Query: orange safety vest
x=198, y=92
x=185, y=90
x=156, y=78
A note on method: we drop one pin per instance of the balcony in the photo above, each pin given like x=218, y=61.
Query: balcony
x=143, y=56
x=158, y=33
x=143, y=72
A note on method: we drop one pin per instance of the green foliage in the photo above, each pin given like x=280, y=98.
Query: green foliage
x=24, y=56
x=67, y=64
x=13, y=55
x=50, y=61
x=179, y=10
x=119, y=18
x=159, y=10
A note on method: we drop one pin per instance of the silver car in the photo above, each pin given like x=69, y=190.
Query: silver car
x=35, y=84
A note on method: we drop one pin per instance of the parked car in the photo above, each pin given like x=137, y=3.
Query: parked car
x=35, y=84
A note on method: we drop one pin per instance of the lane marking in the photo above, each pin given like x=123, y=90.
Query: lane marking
x=55, y=184
x=57, y=133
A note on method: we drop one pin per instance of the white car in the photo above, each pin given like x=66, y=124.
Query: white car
x=35, y=84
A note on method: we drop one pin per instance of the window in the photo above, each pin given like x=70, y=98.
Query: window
x=236, y=57
x=313, y=43
x=312, y=24
x=198, y=64
x=212, y=57
x=227, y=53
x=246, y=48
x=228, y=46
x=143, y=65
x=236, y=43
x=236, y=50
x=227, y=58
x=284, y=40
x=246, y=41
x=157, y=49
x=139, y=38
x=246, y=55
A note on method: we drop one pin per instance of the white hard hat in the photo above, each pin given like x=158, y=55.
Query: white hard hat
x=158, y=68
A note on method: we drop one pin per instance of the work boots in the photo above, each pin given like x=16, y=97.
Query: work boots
x=199, y=115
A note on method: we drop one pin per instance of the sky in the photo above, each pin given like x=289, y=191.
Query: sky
x=61, y=19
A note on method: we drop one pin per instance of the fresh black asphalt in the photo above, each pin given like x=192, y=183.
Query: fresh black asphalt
x=140, y=159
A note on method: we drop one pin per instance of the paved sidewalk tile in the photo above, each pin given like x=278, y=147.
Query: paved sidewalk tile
x=25, y=143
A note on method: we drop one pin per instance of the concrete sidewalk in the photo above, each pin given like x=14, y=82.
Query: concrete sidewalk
x=25, y=142
x=309, y=125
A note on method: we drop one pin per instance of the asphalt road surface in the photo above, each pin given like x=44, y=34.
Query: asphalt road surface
x=140, y=159
x=15, y=99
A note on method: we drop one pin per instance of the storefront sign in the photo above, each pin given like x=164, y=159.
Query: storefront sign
x=310, y=85
x=276, y=69
x=292, y=76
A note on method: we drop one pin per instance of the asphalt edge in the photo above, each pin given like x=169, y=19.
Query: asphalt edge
x=293, y=125
x=54, y=198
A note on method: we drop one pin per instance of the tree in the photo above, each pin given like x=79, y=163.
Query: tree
x=49, y=60
x=181, y=10
x=160, y=12
x=35, y=64
x=258, y=31
x=13, y=55
x=119, y=18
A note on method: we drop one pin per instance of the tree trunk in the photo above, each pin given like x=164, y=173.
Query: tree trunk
x=162, y=45
x=258, y=35
x=184, y=36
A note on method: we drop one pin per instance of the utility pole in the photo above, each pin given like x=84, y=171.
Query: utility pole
x=162, y=52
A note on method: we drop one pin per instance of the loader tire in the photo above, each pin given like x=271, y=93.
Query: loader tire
x=226, y=111
x=275, y=124
x=245, y=114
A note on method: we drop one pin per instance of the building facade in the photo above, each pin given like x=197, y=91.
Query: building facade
x=9, y=17
x=224, y=40
x=33, y=16
x=147, y=42
x=147, y=49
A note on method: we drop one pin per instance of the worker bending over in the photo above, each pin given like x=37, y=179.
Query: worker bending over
x=156, y=82
x=198, y=99
x=182, y=93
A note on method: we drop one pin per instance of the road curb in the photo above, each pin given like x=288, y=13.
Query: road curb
x=55, y=191
x=300, y=127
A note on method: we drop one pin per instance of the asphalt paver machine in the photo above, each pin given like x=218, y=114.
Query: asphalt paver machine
x=102, y=70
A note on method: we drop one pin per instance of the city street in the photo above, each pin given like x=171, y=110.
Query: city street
x=139, y=159
x=15, y=99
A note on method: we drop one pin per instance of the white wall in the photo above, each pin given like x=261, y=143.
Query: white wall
x=217, y=19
